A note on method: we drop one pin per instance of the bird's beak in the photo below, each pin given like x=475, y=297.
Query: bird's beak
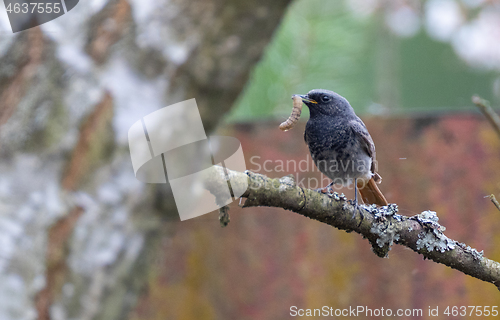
x=306, y=99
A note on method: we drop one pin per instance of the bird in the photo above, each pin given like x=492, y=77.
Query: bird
x=341, y=146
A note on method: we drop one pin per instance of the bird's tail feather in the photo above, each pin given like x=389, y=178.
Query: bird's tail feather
x=371, y=194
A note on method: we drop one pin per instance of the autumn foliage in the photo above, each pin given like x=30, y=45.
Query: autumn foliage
x=268, y=260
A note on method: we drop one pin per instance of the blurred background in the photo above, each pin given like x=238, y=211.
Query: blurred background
x=81, y=238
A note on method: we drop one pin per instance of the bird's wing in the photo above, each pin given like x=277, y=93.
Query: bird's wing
x=359, y=129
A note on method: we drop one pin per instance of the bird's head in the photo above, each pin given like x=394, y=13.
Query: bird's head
x=326, y=102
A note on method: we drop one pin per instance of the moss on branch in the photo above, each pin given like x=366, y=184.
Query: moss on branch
x=382, y=226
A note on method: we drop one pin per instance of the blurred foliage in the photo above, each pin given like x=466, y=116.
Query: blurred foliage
x=433, y=77
x=323, y=44
x=269, y=259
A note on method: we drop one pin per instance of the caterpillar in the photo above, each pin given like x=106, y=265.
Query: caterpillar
x=294, y=117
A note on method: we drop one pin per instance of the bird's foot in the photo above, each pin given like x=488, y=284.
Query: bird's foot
x=326, y=190
x=357, y=208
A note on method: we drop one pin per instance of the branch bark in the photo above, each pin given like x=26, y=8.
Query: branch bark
x=382, y=226
x=488, y=112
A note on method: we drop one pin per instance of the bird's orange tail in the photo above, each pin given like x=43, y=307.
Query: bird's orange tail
x=371, y=194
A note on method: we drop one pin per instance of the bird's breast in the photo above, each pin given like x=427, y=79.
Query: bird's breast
x=337, y=152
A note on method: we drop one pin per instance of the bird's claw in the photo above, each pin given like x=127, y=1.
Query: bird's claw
x=326, y=190
x=358, y=208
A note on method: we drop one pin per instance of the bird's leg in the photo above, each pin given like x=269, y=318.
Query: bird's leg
x=356, y=192
x=356, y=205
x=355, y=197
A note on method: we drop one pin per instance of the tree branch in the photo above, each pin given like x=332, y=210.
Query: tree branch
x=494, y=200
x=382, y=226
x=489, y=113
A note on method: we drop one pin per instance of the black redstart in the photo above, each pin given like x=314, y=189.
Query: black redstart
x=341, y=146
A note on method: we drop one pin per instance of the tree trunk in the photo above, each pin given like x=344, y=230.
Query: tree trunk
x=79, y=232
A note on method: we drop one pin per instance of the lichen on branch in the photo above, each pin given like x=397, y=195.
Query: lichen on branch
x=381, y=226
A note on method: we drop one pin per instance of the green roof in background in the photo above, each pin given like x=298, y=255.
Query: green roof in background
x=321, y=44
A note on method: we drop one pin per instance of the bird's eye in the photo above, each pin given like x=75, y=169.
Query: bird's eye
x=325, y=98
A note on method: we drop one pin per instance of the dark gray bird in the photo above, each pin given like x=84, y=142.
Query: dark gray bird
x=340, y=144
